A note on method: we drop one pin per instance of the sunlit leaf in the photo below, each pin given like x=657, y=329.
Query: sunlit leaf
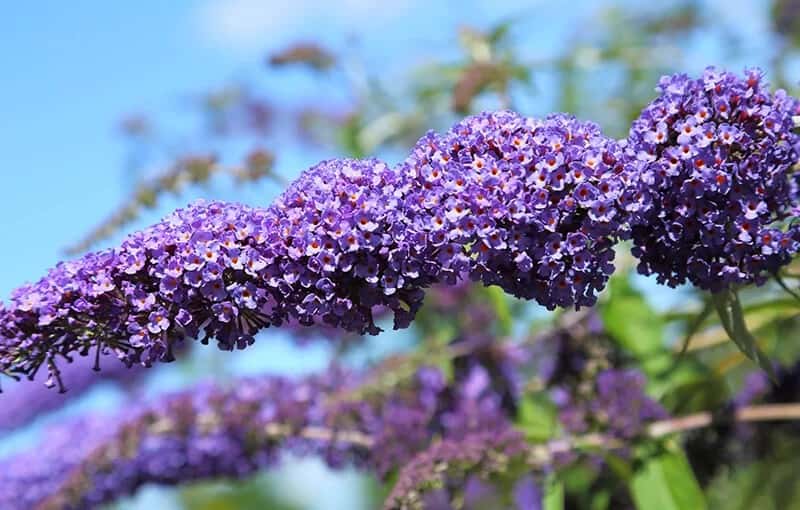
x=694, y=325
x=732, y=318
x=537, y=417
x=502, y=309
x=634, y=324
x=499, y=32
x=553, y=498
x=666, y=482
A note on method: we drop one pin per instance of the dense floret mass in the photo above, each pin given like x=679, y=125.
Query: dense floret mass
x=533, y=206
x=447, y=464
x=618, y=405
x=217, y=430
x=209, y=431
x=717, y=156
x=704, y=186
x=536, y=205
x=324, y=252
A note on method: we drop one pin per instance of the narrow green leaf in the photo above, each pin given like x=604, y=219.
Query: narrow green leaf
x=499, y=32
x=786, y=287
x=729, y=309
x=502, y=309
x=631, y=321
x=553, y=494
x=694, y=325
x=622, y=468
x=666, y=482
x=537, y=417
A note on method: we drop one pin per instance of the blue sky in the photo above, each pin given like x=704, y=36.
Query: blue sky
x=72, y=70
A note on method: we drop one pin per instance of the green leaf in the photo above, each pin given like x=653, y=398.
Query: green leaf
x=633, y=323
x=666, y=482
x=537, y=417
x=258, y=492
x=694, y=325
x=786, y=287
x=502, y=309
x=620, y=467
x=349, y=137
x=729, y=309
x=499, y=32
x=553, y=498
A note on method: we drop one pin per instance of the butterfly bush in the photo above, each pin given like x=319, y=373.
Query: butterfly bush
x=425, y=427
x=592, y=389
x=223, y=270
x=209, y=431
x=536, y=204
x=618, y=406
x=451, y=460
x=717, y=156
x=703, y=186
x=533, y=206
x=214, y=431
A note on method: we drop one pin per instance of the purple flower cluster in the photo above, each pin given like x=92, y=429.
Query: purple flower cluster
x=203, y=433
x=322, y=253
x=214, y=431
x=534, y=206
x=716, y=155
x=619, y=406
x=451, y=461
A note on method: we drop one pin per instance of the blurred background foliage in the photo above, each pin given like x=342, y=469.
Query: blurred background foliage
x=605, y=70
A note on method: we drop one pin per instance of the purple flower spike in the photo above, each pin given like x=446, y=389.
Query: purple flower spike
x=449, y=461
x=716, y=154
x=224, y=271
x=534, y=206
x=206, y=432
x=231, y=431
x=500, y=196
